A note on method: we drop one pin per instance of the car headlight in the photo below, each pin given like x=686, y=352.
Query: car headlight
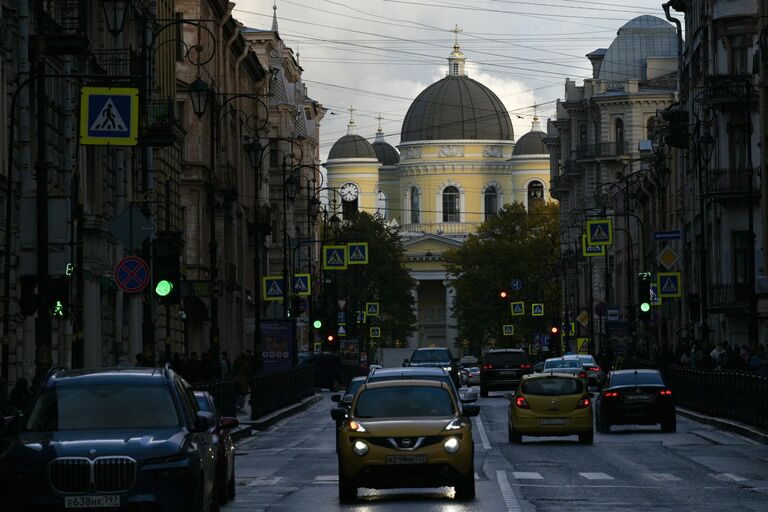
x=448, y=368
x=455, y=424
x=451, y=445
x=355, y=426
x=360, y=448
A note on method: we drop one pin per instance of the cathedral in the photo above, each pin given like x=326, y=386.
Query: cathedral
x=458, y=163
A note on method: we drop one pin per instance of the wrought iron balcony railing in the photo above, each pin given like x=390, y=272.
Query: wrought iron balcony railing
x=64, y=27
x=158, y=124
x=600, y=150
x=729, y=295
x=118, y=65
x=730, y=89
x=732, y=183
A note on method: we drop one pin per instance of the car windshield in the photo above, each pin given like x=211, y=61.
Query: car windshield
x=643, y=378
x=431, y=356
x=505, y=358
x=354, y=386
x=552, y=386
x=103, y=406
x=562, y=363
x=587, y=360
x=404, y=402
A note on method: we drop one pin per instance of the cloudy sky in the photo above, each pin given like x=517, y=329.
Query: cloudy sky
x=378, y=55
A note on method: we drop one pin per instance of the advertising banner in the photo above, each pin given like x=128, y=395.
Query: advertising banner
x=276, y=345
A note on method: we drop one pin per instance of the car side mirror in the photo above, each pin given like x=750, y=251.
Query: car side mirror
x=347, y=400
x=469, y=397
x=228, y=423
x=406, y=362
x=338, y=413
x=204, y=421
x=470, y=410
x=509, y=396
x=336, y=398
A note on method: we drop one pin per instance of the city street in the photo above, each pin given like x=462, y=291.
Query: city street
x=292, y=466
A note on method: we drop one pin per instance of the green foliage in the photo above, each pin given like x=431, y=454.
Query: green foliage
x=513, y=244
x=384, y=279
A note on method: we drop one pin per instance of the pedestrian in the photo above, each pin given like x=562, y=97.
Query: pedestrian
x=20, y=395
x=224, y=365
x=241, y=371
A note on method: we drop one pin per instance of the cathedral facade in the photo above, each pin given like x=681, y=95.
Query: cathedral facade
x=458, y=163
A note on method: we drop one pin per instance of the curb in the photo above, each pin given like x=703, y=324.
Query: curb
x=729, y=425
x=263, y=423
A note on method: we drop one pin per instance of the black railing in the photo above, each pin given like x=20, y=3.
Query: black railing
x=119, y=65
x=158, y=123
x=728, y=89
x=733, y=182
x=601, y=150
x=224, y=393
x=731, y=295
x=733, y=395
x=275, y=391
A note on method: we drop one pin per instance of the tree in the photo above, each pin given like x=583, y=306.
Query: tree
x=384, y=279
x=514, y=244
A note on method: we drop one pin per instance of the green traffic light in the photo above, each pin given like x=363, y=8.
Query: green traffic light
x=317, y=324
x=645, y=307
x=164, y=288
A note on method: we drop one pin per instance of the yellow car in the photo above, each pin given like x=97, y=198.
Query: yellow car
x=405, y=433
x=550, y=404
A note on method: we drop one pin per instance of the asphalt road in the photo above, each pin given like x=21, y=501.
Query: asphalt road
x=292, y=467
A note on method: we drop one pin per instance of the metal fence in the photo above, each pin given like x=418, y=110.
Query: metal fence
x=272, y=392
x=734, y=395
x=224, y=393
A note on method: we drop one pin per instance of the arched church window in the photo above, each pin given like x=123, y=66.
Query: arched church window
x=535, y=193
x=491, y=202
x=381, y=204
x=451, y=211
x=415, y=206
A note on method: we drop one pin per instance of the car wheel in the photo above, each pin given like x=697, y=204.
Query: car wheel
x=587, y=438
x=465, y=488
x=603, y=426
x=231, y=490
x=514, y=436
x=335, y=385
x=347, y=491
x=669, y=425
x=483, y=392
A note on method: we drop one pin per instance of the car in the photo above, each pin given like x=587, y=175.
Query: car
x=503, y=369
x=406, y=433
x=550, y=404
x=565, y=364
x=463, y=376
x=435, y=357
x=594, y=372
x=349, y=394
x=110, y=438
x=330, y=372
x=636, y=397
x=474, y=376
x=419, y=373
x=223, y=445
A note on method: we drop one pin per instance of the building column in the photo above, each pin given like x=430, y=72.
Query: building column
x=413, y=339
x=451, y=332
x=92, y=334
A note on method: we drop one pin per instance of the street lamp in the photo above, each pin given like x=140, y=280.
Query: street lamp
x=199, y=90
x=114, y=15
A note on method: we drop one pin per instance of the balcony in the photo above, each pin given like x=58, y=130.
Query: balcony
x=225, y=183
x=571, y=169
x=442, y=228
x=728, y=91
x=600, y=150
x=158, y=124
x=725, y=184
x=118, y=66
x=729, y=296
x=64, y=24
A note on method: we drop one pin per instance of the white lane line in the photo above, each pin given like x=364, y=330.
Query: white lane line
x=728, y=477
x=663, y=477
x=506, y=492
x=483, y=435
x=524, y=475
x=326, y=479
x=264, y=481
x=596, y=476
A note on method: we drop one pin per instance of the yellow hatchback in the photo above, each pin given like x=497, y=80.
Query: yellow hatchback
x=550, y=404
x=405, y=433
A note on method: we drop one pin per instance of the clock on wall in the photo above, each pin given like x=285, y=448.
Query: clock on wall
x=349, y=192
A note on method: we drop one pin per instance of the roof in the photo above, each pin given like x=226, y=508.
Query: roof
x=386, y=153
x=532, y=143
x=638, y=370
x=639, y=39
x=410, y=370
x=352, y=146
x=111, y=375
x=547, y=374
x=457, y=108
x=404, y=382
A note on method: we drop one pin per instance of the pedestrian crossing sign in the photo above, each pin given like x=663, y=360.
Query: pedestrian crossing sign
x=375, y=332
x=335, y=257
x=537, y=309
x=358, y=253
x=109, y=116
x=518, y=308
x=591, y=250
x=272, y=288
x=600, y=232
x=372, y=308
x=668, y=284
x=342, y=330
x=582, y=345
x=509, y=330
x=302, y=285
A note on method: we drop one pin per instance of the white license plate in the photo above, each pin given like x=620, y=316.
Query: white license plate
x=552, y=421
x=406, y=459
x=508, y=373
x=639, y=398
x=107, y=501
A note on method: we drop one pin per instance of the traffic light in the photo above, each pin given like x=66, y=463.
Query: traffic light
x=677, y=135
x=166, y=270
x=503, y=294
x=554, y=330
x=317, y=324
x=644, y=296
x=59, y=299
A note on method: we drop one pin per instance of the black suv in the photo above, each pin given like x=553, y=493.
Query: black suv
x=436, y=357
x=112, y=438
x=503, y=369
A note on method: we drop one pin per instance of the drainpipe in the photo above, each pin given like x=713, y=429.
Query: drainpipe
x=677, y=23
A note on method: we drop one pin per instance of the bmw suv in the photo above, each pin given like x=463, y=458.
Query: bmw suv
x=112, y=438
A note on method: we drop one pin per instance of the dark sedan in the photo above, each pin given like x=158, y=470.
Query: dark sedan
x=636, y=397
x=223, y=444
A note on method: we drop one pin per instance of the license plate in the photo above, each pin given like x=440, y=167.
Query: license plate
x=107, y=501
x=507, y=373
x=639, y=398
x=552, y=421
x=406, y=459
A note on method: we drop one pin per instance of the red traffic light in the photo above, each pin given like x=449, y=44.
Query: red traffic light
x=503, y=294
x=555, y=330
x=330, y=338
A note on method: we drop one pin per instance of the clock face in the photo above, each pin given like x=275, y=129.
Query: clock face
x=348, y=192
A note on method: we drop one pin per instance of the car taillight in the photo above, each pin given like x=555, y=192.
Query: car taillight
x=665, y=392
x=487, y=367
x=525, y=366
x=522, y=403
x=594, y=369
x=582, y=375
x=611, y=394
x=583, y=402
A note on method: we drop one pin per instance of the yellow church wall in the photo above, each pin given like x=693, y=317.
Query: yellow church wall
x=364, y=174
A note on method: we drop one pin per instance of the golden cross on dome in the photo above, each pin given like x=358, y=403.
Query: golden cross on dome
x=379, y=118
x=351, y=111
x=456, y=31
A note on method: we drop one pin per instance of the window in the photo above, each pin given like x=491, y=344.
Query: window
x=415, y=206
x=740, y=251
x=553, y=386
x=455, y=68
x=651, y=126
x=491, y=202
x=582, y=136
x=619, y=136
x=273, y=156
x=381, y=204
x=535, y=193
x=737, y=147
x=451, y=204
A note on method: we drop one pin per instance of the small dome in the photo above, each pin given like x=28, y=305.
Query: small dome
x=532, y=143
x=352, y=146
x=386, y=154
x=639, y=39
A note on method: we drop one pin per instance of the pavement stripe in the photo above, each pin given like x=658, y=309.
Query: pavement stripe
x=728, y=477
x=263, y=481
x=326, y=479
x=524, y=475
x=663, y=477
x=506, y=492
x=596, y=476
x=483, y=435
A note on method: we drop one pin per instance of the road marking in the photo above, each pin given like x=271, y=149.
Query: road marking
x=663, y=477
x=506, y=491
x=326, y=479
x=483, y=435
x=596, y=476
x=524, y=475
x=728, y=477
x=264, y=481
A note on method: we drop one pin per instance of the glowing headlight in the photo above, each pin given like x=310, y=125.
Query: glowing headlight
x=451, y=445
x=355, y=426
x=455, y=424
x=360, y=448
x=448, y=368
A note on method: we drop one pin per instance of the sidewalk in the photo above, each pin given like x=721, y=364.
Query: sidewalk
x=247, y=425
x=726, y=424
